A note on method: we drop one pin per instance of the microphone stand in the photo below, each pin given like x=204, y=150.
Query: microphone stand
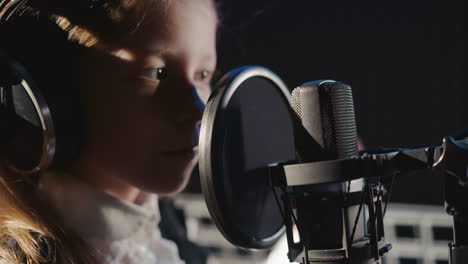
x=453, y=166
x=450, y=161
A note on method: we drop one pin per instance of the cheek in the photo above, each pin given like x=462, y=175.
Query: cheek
x=137, y=127
x=126, y=122
x=204, y=94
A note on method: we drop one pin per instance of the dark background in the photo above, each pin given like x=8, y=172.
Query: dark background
x=404, y=59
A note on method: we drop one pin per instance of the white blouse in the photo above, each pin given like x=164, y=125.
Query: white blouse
x=121, y=232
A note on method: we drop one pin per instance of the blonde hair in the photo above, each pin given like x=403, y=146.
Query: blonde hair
x=30, y=232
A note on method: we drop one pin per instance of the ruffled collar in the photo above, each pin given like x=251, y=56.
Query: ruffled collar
x=120, y=231
x=96, y=215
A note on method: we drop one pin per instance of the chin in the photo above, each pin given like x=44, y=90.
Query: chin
x=174, y=179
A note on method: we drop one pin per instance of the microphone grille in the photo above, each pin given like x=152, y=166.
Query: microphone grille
x=296, y=103
x=326, y=111
x=338, y=119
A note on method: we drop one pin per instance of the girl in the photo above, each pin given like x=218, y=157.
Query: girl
x=133, y=77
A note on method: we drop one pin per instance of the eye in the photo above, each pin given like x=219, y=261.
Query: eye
x=157, y=74
x=202, y=75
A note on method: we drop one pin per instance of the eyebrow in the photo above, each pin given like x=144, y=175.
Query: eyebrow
x=160, y=51
x=156, y=51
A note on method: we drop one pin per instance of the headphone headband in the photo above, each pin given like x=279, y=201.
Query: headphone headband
x=11, y=7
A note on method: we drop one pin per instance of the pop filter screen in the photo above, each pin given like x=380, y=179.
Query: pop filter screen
x=247, y=125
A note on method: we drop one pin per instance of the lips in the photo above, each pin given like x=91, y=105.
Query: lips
x=181, y=150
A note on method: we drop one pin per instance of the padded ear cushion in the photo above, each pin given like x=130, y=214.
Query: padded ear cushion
x=45, y=98
x=28, y=132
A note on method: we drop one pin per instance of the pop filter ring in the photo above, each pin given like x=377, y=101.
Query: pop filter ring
x=219, y=99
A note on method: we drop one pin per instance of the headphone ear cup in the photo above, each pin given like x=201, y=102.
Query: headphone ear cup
x=29, y=141
x=24, y=151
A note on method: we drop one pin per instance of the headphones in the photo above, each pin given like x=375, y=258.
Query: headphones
x=28, y=133
x=40, y=108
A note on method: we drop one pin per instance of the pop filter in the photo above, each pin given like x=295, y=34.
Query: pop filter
x=247, y=125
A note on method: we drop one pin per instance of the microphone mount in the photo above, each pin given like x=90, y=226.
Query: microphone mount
x=377, y=168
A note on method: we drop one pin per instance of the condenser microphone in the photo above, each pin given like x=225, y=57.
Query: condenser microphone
x=325, y=129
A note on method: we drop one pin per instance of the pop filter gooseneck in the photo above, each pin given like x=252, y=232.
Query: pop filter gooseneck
x=247, y=125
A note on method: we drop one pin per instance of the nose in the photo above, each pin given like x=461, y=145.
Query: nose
x=190, y=106
x=180, y=102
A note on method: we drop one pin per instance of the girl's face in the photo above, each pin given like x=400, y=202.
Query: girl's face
x=144, y=101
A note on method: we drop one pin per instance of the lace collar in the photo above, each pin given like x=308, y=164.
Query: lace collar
x=122, y=231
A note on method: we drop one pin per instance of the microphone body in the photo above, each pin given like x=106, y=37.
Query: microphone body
x=325, y=110
x=325, y=129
